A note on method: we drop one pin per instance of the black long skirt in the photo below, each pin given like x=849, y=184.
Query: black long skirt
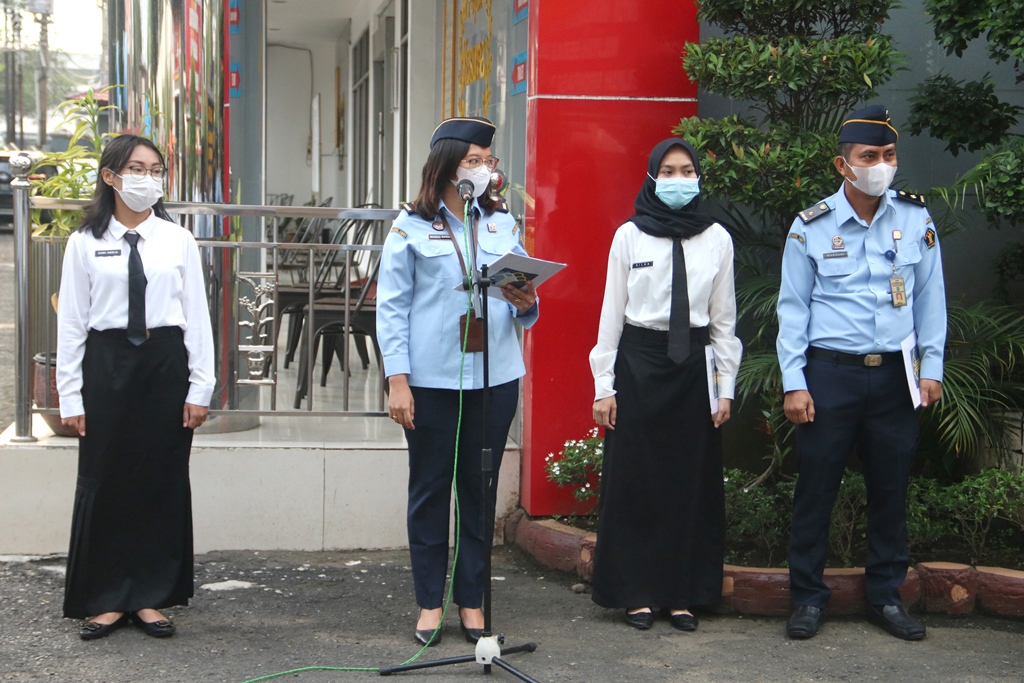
x=662, y=507
x=131, y=533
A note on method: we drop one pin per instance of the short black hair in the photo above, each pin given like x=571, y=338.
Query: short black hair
x=844, y=150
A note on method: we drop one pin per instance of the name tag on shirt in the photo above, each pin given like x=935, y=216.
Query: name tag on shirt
x=835, y=254
x=108, y=252
x=643, y=264
x=439, y=237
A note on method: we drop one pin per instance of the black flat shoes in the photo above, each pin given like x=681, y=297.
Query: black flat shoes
x=92, y=630
x=423, y=636
x=640, y=620
x=157, y=629
x=683, y=622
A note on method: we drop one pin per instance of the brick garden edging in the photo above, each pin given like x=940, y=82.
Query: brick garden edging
x=936, y=587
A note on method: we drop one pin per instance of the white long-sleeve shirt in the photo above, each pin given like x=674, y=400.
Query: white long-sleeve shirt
x=94, y=295
x=638, y=291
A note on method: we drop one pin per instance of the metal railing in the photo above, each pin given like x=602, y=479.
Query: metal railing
x=247, y=349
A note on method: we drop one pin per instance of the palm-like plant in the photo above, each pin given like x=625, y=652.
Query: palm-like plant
x=983, y=385
x=77, y=166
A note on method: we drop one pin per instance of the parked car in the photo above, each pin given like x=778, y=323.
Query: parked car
x=6, y=193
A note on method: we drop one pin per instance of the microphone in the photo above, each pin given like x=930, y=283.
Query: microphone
x=465, y=188
x=497, y=186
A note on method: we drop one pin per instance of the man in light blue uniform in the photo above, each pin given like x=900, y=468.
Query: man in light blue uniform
x=436, y=394
x=861, y=272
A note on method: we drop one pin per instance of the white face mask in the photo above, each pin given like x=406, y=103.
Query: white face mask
x=139, y=195
x=872, y=180
x=480, y=177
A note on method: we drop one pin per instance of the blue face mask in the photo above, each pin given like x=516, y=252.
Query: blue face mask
x=676, y=193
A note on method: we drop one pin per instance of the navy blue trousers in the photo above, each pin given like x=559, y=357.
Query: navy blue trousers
x=869, y=408
x=431, y=464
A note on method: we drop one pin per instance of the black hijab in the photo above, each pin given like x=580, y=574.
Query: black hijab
x=655, y=217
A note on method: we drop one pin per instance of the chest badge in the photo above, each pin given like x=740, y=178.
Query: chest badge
x=492, y=227
x=837, y=242
x=438, y=225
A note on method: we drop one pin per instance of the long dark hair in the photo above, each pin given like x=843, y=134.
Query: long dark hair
x=441, y=163
x=117, y=152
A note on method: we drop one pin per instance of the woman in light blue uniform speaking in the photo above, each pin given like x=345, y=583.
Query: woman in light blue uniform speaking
x=432, y=378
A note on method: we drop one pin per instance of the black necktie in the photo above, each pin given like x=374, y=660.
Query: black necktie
x=679, y=317
x=136, y=291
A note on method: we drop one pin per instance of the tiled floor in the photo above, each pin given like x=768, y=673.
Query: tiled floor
x=297, y=430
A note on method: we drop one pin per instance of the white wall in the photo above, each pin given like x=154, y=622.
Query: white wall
x=289, y=168
x=424, y=95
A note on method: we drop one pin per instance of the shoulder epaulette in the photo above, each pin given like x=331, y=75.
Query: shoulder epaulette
x=910, y=197
x=814, y=212
x=502, y=207
x=409, y=207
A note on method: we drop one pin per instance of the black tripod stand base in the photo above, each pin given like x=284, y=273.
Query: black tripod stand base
x=528, y=647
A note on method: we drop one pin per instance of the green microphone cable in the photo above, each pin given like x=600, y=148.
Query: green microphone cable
x=455, y=489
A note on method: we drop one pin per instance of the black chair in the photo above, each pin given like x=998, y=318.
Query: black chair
x=330, y=278
x=328, y=322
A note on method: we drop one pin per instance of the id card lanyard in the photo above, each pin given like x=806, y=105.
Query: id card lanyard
x=897, y=285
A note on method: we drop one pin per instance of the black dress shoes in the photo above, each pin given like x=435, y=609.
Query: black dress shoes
x=472, y=634
x=157, y=629
x=640, y=620
x=92, y=630
x=805, y=622
x=895, y=620
x=683, y=622
x=423, y=636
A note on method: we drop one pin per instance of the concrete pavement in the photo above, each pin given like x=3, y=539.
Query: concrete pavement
x=357, y=609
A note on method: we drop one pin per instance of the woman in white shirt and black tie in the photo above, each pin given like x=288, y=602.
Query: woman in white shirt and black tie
x=669, y=294
x=135, y=377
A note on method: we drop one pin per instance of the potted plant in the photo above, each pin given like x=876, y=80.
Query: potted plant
x=71, y=175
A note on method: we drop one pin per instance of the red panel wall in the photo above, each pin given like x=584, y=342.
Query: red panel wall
x=606, y=84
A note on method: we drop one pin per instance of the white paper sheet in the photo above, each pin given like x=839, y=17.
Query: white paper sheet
x=709, y=359
x=912, y=363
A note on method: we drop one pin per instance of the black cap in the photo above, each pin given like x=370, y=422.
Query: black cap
x=472, y=129
x=870, y=126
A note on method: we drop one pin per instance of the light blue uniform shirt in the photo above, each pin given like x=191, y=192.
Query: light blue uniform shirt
x=418, y=308
x=843, y=303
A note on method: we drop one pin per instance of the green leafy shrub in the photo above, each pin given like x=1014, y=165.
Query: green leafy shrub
x=958, y=22
x=965, y=115
x=848, y=526
x=977, y=519
x=927, y=526
x=756, y=519
x=976, y=505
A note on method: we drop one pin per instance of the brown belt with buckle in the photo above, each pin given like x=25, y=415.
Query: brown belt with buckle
x=871, y=360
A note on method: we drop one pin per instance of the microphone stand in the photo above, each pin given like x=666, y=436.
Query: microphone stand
x=488, y=649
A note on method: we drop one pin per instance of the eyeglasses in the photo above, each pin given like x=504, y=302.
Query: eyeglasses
x=140, y=172
x=490, y=162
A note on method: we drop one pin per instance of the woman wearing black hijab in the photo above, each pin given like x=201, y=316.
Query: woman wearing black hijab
x=669, y=301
